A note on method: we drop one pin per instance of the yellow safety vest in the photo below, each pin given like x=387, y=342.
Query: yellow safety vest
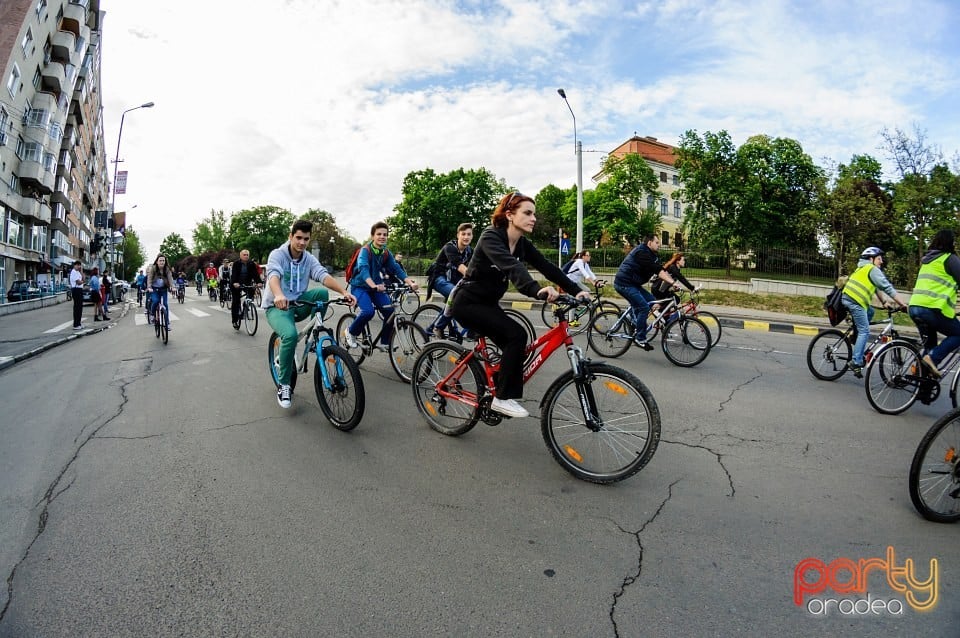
x=859, y=287
x=935, y=288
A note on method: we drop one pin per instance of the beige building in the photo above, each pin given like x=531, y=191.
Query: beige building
x=53, y=167
x=662, y=158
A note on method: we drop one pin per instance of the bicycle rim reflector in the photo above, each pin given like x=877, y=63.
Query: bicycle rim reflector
x=432, y=410
x=573, y=454
x=950, y=456
x=615, y=387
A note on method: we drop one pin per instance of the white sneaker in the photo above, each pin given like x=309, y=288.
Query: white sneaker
x=350, y=340
x=509, y=407
x=383, y=347
x=283, y=396
x=80, y=327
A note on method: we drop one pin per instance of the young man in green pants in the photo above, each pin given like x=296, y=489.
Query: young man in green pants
x=289, y=271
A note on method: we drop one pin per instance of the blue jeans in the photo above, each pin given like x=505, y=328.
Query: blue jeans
x=861, y=319
x=444, y=286
x=161, y=293
x=936, y=322
x=367, y=301
x=284, y=323
x=639, y=299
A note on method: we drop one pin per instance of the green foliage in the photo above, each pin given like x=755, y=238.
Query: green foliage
x=211, y=233
x=433, y=205
x=332, y=253
x=174, y=248
x=551, y=202
x=133, y=254
x=259, y=230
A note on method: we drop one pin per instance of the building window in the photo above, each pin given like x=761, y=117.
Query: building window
x=663, y=207
x=32, y=152
x=650, y=202
x=676, y=209
x=665, y=238
x=13, y=82
x=663, y=177
x=41, y=9
x=14, y=228
x=676, y=180
x=27, y=43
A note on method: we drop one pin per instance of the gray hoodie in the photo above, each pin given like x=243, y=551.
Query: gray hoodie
x=294, y=276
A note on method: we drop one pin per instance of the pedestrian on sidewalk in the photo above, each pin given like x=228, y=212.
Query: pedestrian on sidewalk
x=95, y=293
x=106, y=288
x=76, y=293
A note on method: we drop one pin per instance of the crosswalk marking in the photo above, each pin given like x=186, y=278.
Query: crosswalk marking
x=62, y=326
x=140, y=319
x=197, y=313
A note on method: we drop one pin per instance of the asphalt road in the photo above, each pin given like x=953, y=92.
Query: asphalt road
x=159, y=490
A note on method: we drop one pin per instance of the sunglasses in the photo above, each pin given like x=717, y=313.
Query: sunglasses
x=513, y=195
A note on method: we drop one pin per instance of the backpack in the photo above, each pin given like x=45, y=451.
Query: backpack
x=836, y=311
x=348, y=273
x=567, y=266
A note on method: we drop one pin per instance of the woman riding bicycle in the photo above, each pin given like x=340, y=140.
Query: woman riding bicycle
x=497, y=259
x=934, y=299
x=159, y=283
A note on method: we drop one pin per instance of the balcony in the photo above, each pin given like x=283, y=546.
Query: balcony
x=54, y=77
x=74, y=15
x=44, y=101
x=32, y=208
x=32, y=174
x=61, y=193
x=62, y=45
x=45, y=213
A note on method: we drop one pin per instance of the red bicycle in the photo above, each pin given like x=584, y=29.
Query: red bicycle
x=600, y=422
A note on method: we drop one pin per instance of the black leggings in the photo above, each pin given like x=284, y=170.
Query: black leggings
x=490, y=321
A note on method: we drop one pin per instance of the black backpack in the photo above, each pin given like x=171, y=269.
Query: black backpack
x=567, y=266
x=836, y=311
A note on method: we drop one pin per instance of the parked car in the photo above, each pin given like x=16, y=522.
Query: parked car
x=22, y=290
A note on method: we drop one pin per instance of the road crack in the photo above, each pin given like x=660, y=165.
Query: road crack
x=738, y=388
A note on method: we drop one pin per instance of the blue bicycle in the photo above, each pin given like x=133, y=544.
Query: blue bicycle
x=336, y=376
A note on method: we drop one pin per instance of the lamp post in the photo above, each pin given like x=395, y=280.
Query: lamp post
x=116, y=164
x=333, y=249
x=578, y=149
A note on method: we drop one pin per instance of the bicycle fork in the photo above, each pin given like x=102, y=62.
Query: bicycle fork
x=585, y=395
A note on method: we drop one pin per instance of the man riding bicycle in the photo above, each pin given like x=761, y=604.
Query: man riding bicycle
x=244, y=274
x=198, y=279
x=934, y=300
x=451, y=265
x=289, y=270
x=639, y=267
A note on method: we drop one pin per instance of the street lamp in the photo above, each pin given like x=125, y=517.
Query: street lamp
x=116, y=164
x=578, y=149
x=333, y=249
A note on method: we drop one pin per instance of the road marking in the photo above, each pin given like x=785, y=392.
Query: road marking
x=62, y=326
x=140, y=319
x=197, y=313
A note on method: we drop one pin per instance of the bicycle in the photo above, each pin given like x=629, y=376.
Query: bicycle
x=249, y=309
x=404, y=298
x=160, y=320
x=685, y=340
x=336, y=376
x=406, y=340
x=582, y=315
x=830, y=352
x=428, y=314
x=139, y=296
x=199, y=288
x=226, y=296
x=934, y=480
x=212, y=290
x=600, y=423
x=896, y=377
x=181, y=293
x=691, y=307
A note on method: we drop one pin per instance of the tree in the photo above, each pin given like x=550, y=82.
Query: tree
x=325, y=228
x=857, y=213
x=435, y=204
x=631, y=179
x=210, y=234
x=133, y=254
x=259, y=230
x=713, y=181
x=174, y=248
x=550, y=203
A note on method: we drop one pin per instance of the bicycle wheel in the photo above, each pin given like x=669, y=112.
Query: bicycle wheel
x=610, y=334
x=273, y=361
x=223, y=299
x=156, y=323
x=521, y=318
x=935, y=471
x=406, y=343
x=893, y=378
x=627, y=424
x=250, y=319
x=357, y=353
x=579, y=317
x=164, y=331
x=445, y=390
x=953, y=388
x=343, y=401
x=712, y=322
x=427, y=315
x=409, y=302
x=685, y=341
x=828, y=355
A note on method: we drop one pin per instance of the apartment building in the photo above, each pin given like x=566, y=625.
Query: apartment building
x=53, y=167
x=662, y=158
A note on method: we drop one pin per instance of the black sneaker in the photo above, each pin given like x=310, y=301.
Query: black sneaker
x=643, y=343
x=856, y=370
x=283, y=396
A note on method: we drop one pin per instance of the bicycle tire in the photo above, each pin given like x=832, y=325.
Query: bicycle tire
x=223, y=300
x=828, y=355
x=156, y=323
x=685, y=341
x=610, y=335
x=630, y=431
x=892, y=380
x=250, y=319
x=934, y=481
x=446, y=414
x=953, y=389
x=164, y=330
x=344, y=401
x=406, y=343
x=273, y=362
x=409, y=302
x=712, y=322
x=427, y=315
x=579, y=319
x=358, y=353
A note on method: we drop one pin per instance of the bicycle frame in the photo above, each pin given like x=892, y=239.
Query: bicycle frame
x=315, y=336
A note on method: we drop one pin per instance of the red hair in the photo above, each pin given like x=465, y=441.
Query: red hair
x=508, y=204
x=677, y=256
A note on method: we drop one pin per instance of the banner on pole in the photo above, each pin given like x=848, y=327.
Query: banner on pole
x=120, y=188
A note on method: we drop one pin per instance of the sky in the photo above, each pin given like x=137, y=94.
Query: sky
x=329, y=104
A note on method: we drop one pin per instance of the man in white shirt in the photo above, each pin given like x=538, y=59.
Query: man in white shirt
x=76, y=292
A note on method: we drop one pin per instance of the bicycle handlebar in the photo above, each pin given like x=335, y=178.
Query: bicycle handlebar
x=339, y=301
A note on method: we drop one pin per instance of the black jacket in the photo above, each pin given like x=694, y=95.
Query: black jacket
x=662, y=287
x=493, y=266
x=252, y=276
